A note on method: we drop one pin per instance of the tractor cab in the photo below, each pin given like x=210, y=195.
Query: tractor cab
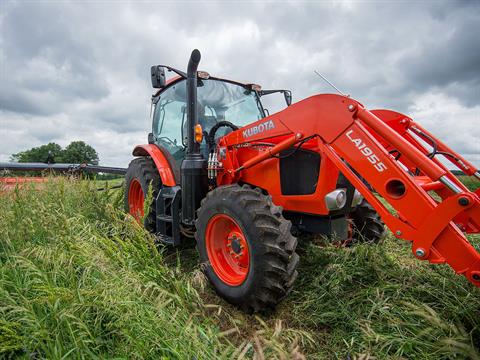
x=222, y=105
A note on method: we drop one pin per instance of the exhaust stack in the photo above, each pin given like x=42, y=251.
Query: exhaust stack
x=194, y=180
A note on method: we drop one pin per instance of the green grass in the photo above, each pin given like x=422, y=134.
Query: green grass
x=80, y=279
x=470, y=182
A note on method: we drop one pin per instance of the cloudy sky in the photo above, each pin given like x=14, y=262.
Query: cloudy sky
x=80, y=70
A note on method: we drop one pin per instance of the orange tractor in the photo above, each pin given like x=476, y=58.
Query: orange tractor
x=242, y=182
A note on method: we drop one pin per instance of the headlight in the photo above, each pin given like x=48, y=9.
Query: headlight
x=336, y=199
x=357, y=198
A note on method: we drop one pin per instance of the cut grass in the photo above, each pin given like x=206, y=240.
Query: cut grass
x=80, y=279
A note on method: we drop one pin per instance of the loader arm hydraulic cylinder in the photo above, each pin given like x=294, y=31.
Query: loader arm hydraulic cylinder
x=405, y=148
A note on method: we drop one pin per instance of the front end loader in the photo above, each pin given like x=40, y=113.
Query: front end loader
x=243, y=183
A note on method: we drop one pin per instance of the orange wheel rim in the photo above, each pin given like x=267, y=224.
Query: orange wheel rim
x=227, y=249
x=135, y=199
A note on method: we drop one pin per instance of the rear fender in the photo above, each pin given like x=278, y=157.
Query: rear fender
x=160, y=160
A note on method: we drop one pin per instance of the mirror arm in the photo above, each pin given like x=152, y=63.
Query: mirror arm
x=268, y=92
x=176, y=71
x=286, y=93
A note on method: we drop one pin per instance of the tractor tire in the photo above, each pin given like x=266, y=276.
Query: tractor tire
x=368, y=227
x=140, y=174
x=246, y=248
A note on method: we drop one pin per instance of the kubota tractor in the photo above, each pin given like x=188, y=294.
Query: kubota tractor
x=242, y=183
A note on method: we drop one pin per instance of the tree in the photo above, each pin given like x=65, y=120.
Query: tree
x=77, y=152
x=44, y=153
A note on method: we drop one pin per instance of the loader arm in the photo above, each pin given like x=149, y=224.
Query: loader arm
x=389, y=158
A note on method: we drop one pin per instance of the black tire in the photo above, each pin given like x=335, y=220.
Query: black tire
x=368, y=227
x=143, y=169
x=273, y=261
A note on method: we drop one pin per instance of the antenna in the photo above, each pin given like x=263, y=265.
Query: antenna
x=329, y=83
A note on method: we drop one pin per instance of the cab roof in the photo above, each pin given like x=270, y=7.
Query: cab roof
x=177, y=78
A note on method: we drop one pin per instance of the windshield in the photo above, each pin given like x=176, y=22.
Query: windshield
x=227, y=101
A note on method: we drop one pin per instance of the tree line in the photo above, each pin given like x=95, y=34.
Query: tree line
x=77, y=152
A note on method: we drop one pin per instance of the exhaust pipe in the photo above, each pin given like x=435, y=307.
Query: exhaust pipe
x=194, y=180
x=192, y=116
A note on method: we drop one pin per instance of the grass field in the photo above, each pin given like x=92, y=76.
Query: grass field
x=80, y=279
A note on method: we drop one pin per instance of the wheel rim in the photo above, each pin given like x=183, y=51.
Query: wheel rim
x=135, y=199
x=227, y=249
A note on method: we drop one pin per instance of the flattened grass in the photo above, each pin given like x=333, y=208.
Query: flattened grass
x=379, y=301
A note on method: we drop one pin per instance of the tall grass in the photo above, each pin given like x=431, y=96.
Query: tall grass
x=80, y=279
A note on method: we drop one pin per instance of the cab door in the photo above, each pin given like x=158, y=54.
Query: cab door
x=168, y=118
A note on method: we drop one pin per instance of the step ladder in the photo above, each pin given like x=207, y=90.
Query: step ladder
x=168, y=215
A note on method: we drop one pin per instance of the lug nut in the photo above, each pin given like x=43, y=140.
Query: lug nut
x=476, y=277
x=420, y=252
x=463, y=201
x=398, y=233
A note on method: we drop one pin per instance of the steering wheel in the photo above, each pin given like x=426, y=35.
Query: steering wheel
x=214, y=129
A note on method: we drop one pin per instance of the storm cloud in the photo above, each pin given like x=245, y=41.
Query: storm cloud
x=72, y=70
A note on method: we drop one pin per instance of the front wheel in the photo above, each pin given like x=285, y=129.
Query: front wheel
x=368, y=227
x=246, y=248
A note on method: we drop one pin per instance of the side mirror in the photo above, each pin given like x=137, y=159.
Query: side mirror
x=158, y=76
x=151, y=139
x=288, y=97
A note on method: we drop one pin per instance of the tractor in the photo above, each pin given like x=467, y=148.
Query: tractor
x=244, y=183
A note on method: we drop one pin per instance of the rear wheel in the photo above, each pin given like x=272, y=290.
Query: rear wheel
x=246, y=248
x=368, y=227
x=140, y=174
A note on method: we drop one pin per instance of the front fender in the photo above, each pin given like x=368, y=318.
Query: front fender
x=163, y=166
